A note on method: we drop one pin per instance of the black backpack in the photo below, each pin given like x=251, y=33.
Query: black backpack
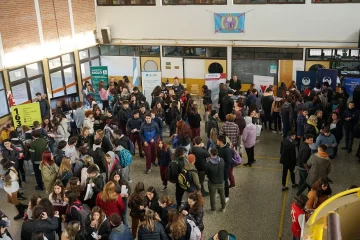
x=173, y=171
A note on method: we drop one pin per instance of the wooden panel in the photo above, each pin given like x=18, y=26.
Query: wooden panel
x=308, y=64
x=286, y=70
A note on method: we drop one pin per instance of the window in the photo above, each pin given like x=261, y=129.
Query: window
x=153, y=51
x=268, y=53
x=62, y=75
x=335, y=1
x=91, y=57
x=337, y=53
x=3, y=99
x=267, y=1
x=26, y=81
x=194, y=2
x=129, y=50
x=110, y=50
x=126, y=2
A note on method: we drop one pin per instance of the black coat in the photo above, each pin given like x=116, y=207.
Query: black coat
x=194, y=120
x=304, y=155
x=103, y=231
x=235, y=85
x=288, y=152
x=48, y=227
x=338, y=131
x=196, y=217
x=226, y=153
x=12, y=155
x=200, y=155
x=99, y=159
x=207, y=97
x=310, y=129
x=106, y=145
x=212, y=123
x=82, y=140
x=154, y=204
x=228, y=104
x=266, y=102
x=354, y=115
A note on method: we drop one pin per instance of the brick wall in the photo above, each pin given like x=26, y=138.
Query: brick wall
x=18, y=25
x=84, y=15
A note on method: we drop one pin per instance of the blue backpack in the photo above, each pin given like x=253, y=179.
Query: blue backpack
x=131, y=147
x=125, y=157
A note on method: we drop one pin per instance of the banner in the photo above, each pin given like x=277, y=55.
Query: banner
x=149, y=81
x=212, y=81
x=26, y=114
x=262, y=83
x=136, y=81
x=98, y=74
x=305, y=80
x=327, y=75
x=350, y=84
x=229, y=22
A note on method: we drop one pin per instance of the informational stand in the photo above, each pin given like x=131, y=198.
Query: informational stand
x=350, y=84
x=149, y=81
x=262, y=83
x=26, y=114
x=327, y=75
x=305, y=80
x=212, y=81
x=98, y=74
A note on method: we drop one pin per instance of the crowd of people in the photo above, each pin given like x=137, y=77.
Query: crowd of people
x=81, y=157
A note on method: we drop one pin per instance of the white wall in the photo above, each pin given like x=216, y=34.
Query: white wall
x=120, y=65
x=288, y=24
x=194, y=68
x=172, y=72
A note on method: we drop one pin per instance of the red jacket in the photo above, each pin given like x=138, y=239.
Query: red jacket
x=111, y=207
x=296, y=225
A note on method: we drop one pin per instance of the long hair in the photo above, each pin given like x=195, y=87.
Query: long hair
x=167, y=200
x=33, y=200
x=199, y=201
x=208, y=108
x=177, y=224
x=48, y=206
x=72, y=229
x=109, y=193
x=317, y=186
x=149, y=220
x=101, y=133
x=222, y=87
x=72, y=196
x=330, y=117
x=214, y=135
x=49, y=126
x=194, y=109
x=164, y=147
x=139, y=187
x=65, y=166
x=97, y=209
x=183, y=129
x=46, y=158
x=101, y=85
x=74, y=186
x=58, y=183
x=157, y=110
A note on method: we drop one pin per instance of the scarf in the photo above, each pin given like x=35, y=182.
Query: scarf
x=313, y=124
x=323, y=154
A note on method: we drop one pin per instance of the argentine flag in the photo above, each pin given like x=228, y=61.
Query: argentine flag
x=135, y=73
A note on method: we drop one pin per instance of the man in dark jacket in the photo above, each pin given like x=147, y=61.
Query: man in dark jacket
x=99, y=157
x=235, y=84
x=201, y=155
x=212, y=122
x=122, y=139
x=303, y=157
x=288, y=159
x=60, y=152
x=133, y=126
x=124, y=116
x=37, y=147
x=214, y=170
x=225, y=153
x=138, y=94
x=44, y=106
x=287, y=116
x=228, y=102
x=207, y=95
x=149, y=134
x=266, y=102
x=119, y=229
x=177, y=87
x=351, y=117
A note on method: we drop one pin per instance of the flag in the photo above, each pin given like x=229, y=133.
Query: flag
x=135, y=73
x=305, y=80
x=327, y=75
x=229, y=22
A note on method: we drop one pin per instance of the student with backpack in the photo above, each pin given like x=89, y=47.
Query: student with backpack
x=188, y=177
x=125, y=159
x=175, y=168
x=112, y=164
x=75, y=211
x=10, y=152
x=164, y=159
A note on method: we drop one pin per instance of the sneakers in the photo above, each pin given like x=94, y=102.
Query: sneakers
x=295, y=185
x=148, y=171
x=163, y=189
x=227, y=199
x=274, y=132
x=222, y=209
x=284, y=189
x=154, y=164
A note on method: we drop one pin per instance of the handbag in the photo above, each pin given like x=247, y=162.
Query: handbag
x=258, y=130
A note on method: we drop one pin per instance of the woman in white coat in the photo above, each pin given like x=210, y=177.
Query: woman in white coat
x=61, y=128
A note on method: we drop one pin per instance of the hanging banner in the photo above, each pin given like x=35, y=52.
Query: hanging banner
x=327, y=75
x=229, y=22
x=98, y=74
x=26, y=114
x=350, y=84
x=149, y=81
x=305, y=80
x=212, y=81
x=262, y=83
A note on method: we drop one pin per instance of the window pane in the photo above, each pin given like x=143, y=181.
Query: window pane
x=56, y=84
x=170, y=2
x=173, y=51
x=85, y=70
x=54, y=63
x=109, y=50
x=95, y=62
x=69, y=74
x=3, y=110
x=20, y=93
x=129, y=51
x=327, y=52
x=1, y=81
x=83, y=54
x=354, y=53
x=34, y=69
x=149, y=50
x=94, y=51
x=241, y=1
x=216, y=52
x=67, y=59
x=17, y=74
x=101, y=2
x=315, y=53
x=194, y=51
x=36, y=85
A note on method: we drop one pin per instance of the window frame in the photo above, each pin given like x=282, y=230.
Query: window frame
x=268, y=2
x=255, y=51
x=334, y=54
x=213, y=2
x=112, y=4
x=27, y=80
x=89, y=59
x=331, y=1
x=4, y=89
x=136, y=53
x=61, y=68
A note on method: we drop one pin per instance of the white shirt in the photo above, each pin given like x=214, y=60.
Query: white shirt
x=72, y=153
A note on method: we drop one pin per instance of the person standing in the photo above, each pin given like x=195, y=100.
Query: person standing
x=133, y=126
x=37, y=147
x=49, y=171
x=303, y=157
x=79, y=115
x=164, y=159
x=194, y=120
x=225, y=153
x=137, y=203
x=249, y=140
x=329, y=140
x=288, y=159
x=124, y=116
x=201, y=155
x=206, y=95
x=235, y=83
x=177, y=87
x=298, y=216
x=212, y=122
x=149, y=133
x=44, y=105
x=287, y=116
x=266, y=102
x=104, y=95
x=300, y=125
x=320, y=165
x=351, y=117
x=336, y=128
x=214, y=170
x=228, y=103
x=231, y=130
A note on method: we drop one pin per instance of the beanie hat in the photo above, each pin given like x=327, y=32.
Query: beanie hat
x=191, y=158
x=213, y=112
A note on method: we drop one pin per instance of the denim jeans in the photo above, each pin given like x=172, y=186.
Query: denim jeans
x=213, y=189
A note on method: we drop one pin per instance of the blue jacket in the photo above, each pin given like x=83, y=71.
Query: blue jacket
x=300, y=123
x=149, y=131
x=328, y=140
x=121, y=232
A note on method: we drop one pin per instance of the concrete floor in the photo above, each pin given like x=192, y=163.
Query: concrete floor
x=257, y=209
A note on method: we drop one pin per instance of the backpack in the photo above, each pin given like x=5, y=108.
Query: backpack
x=125, y=157
x=335, y=108
x=173, y=171
x=236, y=157
x=195, y=231
x=131, y=147
x=186, y=181
x=83, y=212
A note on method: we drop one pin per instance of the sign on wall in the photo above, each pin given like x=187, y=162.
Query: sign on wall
x=262, y=83
x=305, y=80
x=350, y=84
x=212, y=81
x=327, y=75
x=98, y=74
x=229, y=22
x=26, y=114
x=149, y=81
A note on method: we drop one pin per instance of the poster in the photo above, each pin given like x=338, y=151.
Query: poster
x=350, y=84
x=213, y=80
x=98, y=74
x=305, y=80
x=26, y=114
x=273, y=69
x=262, y=83
x=149, y=81
x=327, y=75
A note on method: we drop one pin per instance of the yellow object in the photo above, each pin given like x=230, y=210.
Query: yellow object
x=308, y=64
x=26, y=114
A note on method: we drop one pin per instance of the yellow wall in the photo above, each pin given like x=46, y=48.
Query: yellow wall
x=155, y=59
x=308, y=64
x=210, y=61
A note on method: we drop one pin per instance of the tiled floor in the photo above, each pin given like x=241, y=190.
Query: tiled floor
x=255, y=207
